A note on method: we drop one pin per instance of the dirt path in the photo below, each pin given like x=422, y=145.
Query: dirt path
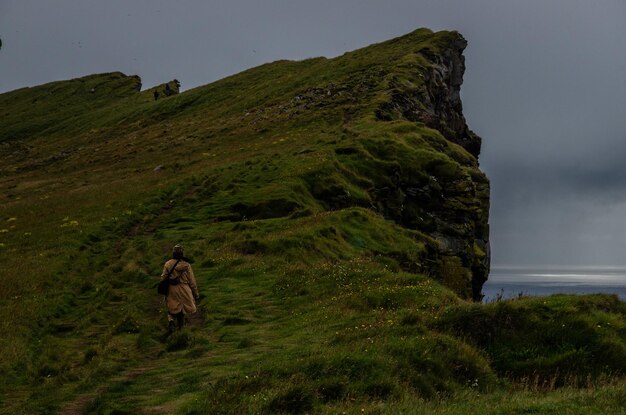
x=79, y=405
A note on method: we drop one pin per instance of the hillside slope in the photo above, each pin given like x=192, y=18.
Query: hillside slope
x=338, y=224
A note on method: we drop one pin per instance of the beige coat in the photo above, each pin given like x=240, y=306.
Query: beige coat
x=181, y=297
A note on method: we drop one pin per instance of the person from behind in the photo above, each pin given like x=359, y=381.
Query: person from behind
x=183, y=291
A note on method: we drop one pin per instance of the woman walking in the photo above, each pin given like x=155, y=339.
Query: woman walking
x=183, y=291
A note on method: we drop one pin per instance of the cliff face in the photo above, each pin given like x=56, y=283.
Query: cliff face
x=449, y=203
x=438, y=102
x=460, y=212
x=417, y=160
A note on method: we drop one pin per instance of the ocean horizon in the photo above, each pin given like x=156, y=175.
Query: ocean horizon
x=513, y=281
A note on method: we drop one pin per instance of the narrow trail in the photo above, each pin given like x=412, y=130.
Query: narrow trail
x=81, y=402
x=156, y=311
x=235, y=329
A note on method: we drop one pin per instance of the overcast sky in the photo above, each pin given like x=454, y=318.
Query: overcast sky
x=545, y=87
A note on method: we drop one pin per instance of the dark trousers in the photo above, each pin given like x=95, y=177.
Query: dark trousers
x=179, y=318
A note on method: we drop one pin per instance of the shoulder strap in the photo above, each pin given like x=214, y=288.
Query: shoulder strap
x=172, y=269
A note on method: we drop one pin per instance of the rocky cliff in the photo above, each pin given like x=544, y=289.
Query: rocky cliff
x=454, y=209
x=403, y=150
x=425, y=184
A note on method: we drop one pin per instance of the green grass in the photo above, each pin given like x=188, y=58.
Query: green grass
x=571, y=337
x=332, y=239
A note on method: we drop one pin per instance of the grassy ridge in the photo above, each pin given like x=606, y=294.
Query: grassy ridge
x=323, y=286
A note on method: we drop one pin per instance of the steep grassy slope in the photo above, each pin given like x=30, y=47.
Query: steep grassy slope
x=337, y=220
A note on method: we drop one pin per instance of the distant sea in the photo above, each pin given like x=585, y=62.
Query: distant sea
x=536, y=281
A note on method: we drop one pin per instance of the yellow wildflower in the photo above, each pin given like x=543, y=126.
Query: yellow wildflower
x=70, y=223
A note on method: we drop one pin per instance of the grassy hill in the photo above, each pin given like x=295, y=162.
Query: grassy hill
x=336, y=217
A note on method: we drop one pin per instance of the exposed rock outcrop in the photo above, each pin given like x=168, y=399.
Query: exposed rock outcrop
x=451, y=206
x=437, y=103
